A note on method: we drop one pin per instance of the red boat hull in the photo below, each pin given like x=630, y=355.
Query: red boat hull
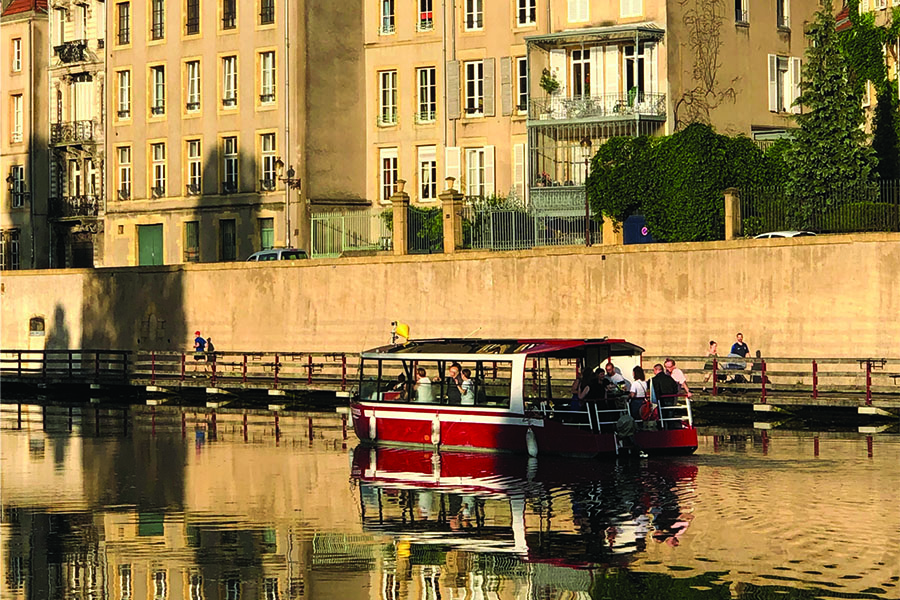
x=461, y=429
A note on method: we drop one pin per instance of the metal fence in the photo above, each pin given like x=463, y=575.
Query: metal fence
x=425, y=230
x=844, y=209
x=512, y=226
x=333, y=234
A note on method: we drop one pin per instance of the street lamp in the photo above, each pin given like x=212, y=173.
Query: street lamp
x=586, y=145
x=291, y=183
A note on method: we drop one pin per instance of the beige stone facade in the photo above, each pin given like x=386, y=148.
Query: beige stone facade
x=24, y=238
x=458, y=93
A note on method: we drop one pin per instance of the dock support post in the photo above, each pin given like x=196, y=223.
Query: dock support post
x=244, y=370
x=715, y=377
x=343, y=372
x=309, y=369
x=763, y=379
x=275, y=369
x=344, y=425
x=182, y=366
x=153, y=367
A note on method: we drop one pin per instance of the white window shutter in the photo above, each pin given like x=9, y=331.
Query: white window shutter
x=519, y=170
x=597, y=71
x=488, y=170
x=451, y=163
x=452, y=89
x=610, y=76
x=489, y=87
x=773, y=83
x=558, y=68
x=795, y=84
x=506, y=101
x=652, y=68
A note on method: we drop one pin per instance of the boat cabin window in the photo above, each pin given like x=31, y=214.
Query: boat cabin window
x=431, y=382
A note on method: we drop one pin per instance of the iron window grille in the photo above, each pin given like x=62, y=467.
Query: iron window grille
x=267, y=12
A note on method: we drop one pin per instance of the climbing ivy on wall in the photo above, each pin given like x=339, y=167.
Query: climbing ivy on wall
x=676, y=182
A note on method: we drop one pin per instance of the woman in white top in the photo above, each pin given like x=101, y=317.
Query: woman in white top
x=424, y=391
x=638, y=393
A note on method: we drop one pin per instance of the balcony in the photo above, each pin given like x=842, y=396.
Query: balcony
x=66, y=207
x=72, y=51
x=158, y=191
x=386, y=27
x=267, y=185
x=626, y=105
x=229, y=187
x=192, y=189
x=72, y=132
x=425, y=22
x=124, y=193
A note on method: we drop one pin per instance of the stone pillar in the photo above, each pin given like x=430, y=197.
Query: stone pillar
x=400, y=205
x=451, y=205
x=733, y=223
x=612, y=235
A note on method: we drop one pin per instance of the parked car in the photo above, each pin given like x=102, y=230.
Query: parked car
x=782, y=234
x=278, y=254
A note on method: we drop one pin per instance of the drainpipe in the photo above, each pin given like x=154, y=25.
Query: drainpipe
x=444, y=59
x=287, y=122
x=452, y=22
x=31, y=149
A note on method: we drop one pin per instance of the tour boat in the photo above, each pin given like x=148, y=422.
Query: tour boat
x=517, y=399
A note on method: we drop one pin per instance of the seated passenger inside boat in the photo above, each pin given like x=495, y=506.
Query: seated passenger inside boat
x=424, y=390
x=617, y=387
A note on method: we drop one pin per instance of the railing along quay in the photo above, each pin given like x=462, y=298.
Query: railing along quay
x=867, y=383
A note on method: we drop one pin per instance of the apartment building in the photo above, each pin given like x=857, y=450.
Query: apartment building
x=512, y=98
x=24, y=232
x=77, y=79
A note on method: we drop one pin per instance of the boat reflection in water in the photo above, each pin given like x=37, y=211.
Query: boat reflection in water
x=560, y=512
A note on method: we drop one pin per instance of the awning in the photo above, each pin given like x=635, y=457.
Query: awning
x=595, y=35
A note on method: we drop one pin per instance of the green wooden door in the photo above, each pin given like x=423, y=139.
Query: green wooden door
x=150, y=245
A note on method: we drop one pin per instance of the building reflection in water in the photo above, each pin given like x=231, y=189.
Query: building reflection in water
x=165, y=513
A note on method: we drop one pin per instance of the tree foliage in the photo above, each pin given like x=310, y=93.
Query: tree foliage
x=829, y=149
x=676, y=182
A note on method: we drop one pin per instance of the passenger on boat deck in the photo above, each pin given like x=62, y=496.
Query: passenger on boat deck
x=678, y=375
x=452, y=383
x=587, y=387
x=616, y=385
x=638, y=393
x=424, y=391
x=467, y=388
x=663, y=388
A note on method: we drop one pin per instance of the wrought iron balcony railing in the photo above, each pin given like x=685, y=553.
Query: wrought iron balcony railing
x=157, y=31
x=425, y=23
x=228, y=102
x=267, y=14
x=124, y=36
x=72, y=132
x=72, y=51
x=606, y=106
x=192, y=189
x=192, y=26
x=74, y=206
x=425, y=116
x=158, y=109
x=158, y=191
x=386, y=27
x=123, y=114
x=267, y=185
x=192, y=106
x=387, y=117
x=229, y=187
x=267, y=98
x=124, y=193
x=229, y=21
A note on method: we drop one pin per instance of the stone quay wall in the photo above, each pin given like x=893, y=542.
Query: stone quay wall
x=807, y=297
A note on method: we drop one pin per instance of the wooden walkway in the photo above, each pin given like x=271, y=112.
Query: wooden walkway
x=870, y=385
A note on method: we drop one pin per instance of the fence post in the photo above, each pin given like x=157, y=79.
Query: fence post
x=763, y=379
x=309, y=369
x=244, y=369
x=276, y=371
x=732, y=213
x=715, y=377
x=343, y=371
x=97, y=367
x=451, y=205
x=70, y=364
x=868, y=382
x=400, y=204
x=182, y=366
x=815, y=380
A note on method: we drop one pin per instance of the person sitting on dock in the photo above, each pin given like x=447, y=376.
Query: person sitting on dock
x=424, y=391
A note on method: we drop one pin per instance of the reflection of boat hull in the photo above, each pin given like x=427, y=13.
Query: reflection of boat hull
x=453, y=428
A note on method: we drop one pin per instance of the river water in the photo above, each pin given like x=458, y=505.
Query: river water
x=172, y=505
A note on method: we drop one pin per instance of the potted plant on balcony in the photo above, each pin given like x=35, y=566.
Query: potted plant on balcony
x=549, y=82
